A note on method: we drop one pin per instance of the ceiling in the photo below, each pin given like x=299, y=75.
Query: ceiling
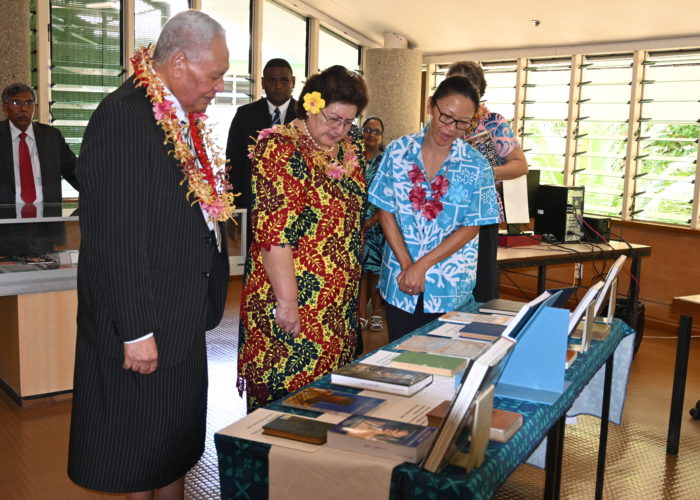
x=449, y=26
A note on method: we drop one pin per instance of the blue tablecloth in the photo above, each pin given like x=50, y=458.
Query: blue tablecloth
x=243, y=465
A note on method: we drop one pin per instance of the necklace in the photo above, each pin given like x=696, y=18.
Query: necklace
x=418, y=195
x=318, y=146
x=206, y=178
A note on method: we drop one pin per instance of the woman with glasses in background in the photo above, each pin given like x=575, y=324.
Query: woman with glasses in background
x=433, y=192
x=491, y=135
x=372, y=133
x=300, y=285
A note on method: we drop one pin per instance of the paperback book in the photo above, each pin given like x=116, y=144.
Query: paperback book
x=382, y=438
x=381, y=378
x=445, y=346
x=329, y=401
x=308, y=430
x=504, y=423
x=429, y=363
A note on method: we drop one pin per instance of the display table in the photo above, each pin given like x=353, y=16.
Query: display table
x=243, y=464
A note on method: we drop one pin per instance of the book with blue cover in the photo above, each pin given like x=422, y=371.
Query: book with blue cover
x=330, y=401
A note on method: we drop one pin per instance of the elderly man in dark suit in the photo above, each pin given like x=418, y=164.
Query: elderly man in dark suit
x=33, y=156
x=153, y=270
x=277, y=107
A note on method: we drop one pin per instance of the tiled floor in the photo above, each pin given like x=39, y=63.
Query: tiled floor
x=33, y=442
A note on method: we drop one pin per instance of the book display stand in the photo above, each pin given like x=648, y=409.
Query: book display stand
x=535, y=369
x=479, y=433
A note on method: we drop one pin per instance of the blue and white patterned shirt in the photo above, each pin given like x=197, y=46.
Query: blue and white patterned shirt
x=470, y=201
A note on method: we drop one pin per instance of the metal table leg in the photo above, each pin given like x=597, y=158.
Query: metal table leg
x=605, y=417
x=682, y=352
x=555, y=452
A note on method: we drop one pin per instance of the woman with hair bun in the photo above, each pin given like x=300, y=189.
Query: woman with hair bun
x=433, y=192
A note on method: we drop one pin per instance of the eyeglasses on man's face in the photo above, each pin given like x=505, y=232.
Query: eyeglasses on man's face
x=448, y=120
x=337, y=122
x=371, y=131
x=18, y=103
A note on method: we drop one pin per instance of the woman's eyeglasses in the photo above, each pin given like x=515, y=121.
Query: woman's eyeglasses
x=337, y=122
x=371, y=131
x=448, y=120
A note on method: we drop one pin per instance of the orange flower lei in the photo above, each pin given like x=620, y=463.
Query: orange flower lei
x=208, y=183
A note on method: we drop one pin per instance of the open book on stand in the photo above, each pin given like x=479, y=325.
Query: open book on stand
x=475, y=378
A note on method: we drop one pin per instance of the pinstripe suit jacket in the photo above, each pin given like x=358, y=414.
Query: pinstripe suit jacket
x=147, y=262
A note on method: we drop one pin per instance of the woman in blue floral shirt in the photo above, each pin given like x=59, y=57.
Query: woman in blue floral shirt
x=433, y=192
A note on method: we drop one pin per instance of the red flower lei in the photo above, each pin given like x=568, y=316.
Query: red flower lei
x=206, y=179
x=418, y=196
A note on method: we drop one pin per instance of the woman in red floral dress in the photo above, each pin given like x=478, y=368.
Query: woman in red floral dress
x=300, y=287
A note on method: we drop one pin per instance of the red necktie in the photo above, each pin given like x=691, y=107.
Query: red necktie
x=26, y=175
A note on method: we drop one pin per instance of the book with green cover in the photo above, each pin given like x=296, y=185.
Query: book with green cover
x=436, y=364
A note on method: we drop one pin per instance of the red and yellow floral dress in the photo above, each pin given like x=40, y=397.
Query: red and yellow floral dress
x=298, y=203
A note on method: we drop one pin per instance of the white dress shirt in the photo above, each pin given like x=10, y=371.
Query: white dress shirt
x=283, y=109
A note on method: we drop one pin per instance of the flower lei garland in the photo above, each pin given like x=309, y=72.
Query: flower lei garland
x=320, y=158
x=418, y=196
x=314, y=103
x=208, y=183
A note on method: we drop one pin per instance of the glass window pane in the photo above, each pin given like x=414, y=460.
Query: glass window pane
x=601, y=134
x=87, y=62
x=500, y=88
x=667, y=154
x=332, y=49
x=284, y=35
x=151, y=15
x=545, y=117
x=234, y=16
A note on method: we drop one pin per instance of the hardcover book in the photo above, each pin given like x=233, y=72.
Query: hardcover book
x=381, y=378
x=382, y=437
x=329, y=401
x=482, y=331
x=504, y=423
x=429, y=363
x=466, y=317
x=501, y=306
x=308, y=430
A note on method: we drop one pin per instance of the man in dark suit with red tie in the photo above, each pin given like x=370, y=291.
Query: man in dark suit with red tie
x=153, y=270
x=277, y=107
x=33, y=156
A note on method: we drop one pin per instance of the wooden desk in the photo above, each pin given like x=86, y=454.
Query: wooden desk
x=546, y=254
x=687, y=308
